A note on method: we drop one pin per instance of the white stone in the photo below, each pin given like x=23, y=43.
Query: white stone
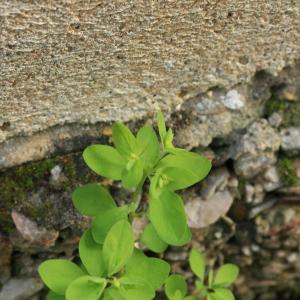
x=232, y=100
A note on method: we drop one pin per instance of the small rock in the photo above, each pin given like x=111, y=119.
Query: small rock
x=272, y=179
x=254, y=193
x=176, y=256
x=233, y=100
x=55, y=173
x=216, y=181
x=233, y=182
x=32, y=233
x=193, y=135
x=203, y=213
x=290, y=140
x=249, y=192
x=293, y=257
x=246, y=251
x=259, y=193
x=138, y=226
x=275, y=119
x=20, y=289
x=255, y=149
x=57, y=177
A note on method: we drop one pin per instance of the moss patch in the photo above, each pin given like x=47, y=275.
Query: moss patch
x=290, y=111
x=15, y=185
x=288, y=172
x=18, y=187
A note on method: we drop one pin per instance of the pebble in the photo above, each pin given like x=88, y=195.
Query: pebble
x=32, y=233
x=20, y=288
x=290, y=140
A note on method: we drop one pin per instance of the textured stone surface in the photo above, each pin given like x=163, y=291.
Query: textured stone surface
x=69, y=68
x=290, y=138
x=20, y=289
x=204, y=213
x=88, y=61
x=30, y=231
x=255, y=150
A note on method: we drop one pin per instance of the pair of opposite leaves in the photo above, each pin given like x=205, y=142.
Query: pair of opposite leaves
x=134, y=159
x=217, y=287
x=141, y=278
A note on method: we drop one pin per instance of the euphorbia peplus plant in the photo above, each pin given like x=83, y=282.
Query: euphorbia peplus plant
x=112, y=268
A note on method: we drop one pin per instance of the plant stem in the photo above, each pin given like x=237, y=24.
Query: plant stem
x=136, y=197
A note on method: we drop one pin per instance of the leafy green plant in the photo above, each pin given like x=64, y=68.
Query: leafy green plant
x=216, y=287
x=112, y=267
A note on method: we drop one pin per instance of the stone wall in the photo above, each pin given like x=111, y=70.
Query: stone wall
x=227, y=76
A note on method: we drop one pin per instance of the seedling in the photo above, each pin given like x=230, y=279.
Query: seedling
x=217, y=286
x=112, y=268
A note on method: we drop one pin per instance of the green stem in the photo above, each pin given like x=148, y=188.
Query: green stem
x=136, y=198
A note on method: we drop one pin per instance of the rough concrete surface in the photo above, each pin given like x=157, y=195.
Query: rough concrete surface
x=95, y=61
x=227, y=75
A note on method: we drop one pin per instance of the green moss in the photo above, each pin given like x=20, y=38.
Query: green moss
x=15, y=185
x=274, y=105
x=70, y=170
x=34, y=171
x=6, y=223
x=19, y=184
x=288, y=172
x=291, y=115
x=290, y=111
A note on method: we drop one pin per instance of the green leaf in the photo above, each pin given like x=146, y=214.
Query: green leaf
x=226, y=275
x=197, y=263
x=190, y=298
x=91, y=199
x=86, y=287
x=57, y=274
x=200, y=285
x=149, y=146
x=168, y=140
x=223, y=294
x=161, y=127
x=196, y=166
x=124, y=141
x=173, y=178
x=132, y=174
x=173, y=284
x=118, y=246
x=143, y=269
x=53, y=296
x=91, y=255
x=112, y=293
x=211, y=296
x=152, y=241
x=167, y=214
x=137, y=292
x=177, y=295
x=105, y=220
x=105, y=161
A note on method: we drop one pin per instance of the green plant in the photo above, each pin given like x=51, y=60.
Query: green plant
x=215, y=289
x=112, y=268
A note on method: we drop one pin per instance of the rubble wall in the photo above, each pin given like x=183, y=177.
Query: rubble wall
x=227, y=76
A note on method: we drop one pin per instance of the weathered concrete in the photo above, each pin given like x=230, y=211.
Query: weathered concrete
x=85, y=62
